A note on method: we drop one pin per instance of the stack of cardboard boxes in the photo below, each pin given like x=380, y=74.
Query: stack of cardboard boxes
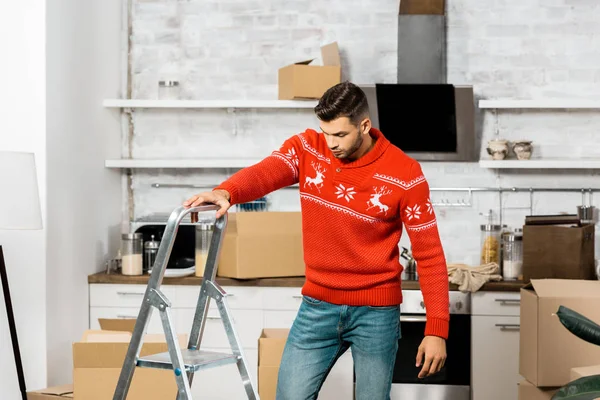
x=97, y=361
x=551, y=356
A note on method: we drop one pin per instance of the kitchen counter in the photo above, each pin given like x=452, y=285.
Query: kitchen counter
x=101, y=277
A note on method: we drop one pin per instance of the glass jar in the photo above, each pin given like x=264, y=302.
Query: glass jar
x=512, y=264
x=168, y=90
x=131, y=254
x=490, y=244
x=150, y=252
x=204, y=231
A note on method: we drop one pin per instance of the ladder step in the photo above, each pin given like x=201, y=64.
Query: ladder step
x=192, y=359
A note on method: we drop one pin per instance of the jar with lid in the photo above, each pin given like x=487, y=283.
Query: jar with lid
x=131, y=254
x=490, y=242
x=512, y=264
x=204, y=231
x=168, y=90
x=150, y=252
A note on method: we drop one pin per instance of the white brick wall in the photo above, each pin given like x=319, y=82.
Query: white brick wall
x=232, y=49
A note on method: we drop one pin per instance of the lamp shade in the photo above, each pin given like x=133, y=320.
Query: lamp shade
x=19, y=196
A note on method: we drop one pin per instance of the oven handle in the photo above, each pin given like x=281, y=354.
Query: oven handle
x=413, y=318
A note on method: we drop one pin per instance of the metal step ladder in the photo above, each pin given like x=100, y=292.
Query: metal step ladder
x=184, y=363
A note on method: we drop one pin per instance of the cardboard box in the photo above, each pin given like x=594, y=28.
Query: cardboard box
x=98, y=359
x=262, y=245
x=270, y=350
x=580, y=372
x=303, y=81
x=547, y=350
x=422, y=7
x=52, y=393
x=528, y=391
x=554, y=251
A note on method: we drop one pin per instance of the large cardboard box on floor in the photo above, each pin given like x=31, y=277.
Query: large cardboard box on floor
x=52, y=393
x=303, y=81
x=548, y=350
x=98, y=359
x=262, y=245
x=580, y=372
x=528, y=391
x=270, y=350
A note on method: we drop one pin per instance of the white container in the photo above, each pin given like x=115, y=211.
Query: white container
x=512, y=257
x=131, y=254
x=204, y=231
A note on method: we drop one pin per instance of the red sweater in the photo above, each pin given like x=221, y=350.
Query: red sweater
x=352, y=218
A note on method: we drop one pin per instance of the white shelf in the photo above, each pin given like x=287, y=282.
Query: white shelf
x=182, y=163
x=541, y=103
x=542, y=164
x=292, y=104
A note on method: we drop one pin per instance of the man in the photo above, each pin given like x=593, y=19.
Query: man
x=357, y=191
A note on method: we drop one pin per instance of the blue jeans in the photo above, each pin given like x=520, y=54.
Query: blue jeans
x=322, y=332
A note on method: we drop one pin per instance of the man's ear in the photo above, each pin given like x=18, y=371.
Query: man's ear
x=365, y=126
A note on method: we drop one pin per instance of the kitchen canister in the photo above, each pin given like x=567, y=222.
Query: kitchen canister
x=204, y=231
x=512, y=257
x=131, y=254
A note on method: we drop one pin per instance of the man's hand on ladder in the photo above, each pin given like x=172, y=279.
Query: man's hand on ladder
x=218, y=197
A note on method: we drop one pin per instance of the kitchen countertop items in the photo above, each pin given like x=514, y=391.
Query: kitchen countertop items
x=471, y=279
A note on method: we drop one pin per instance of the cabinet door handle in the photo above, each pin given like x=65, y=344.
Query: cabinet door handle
x=297, y=296
x=509, y=301
x=130, y=294
x=212, y=317
x=509, y=327
x=121, y=316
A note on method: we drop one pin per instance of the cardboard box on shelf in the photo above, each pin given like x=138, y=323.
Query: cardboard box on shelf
x=303, y=81
x=528, y=391
x=422, y=7
x=98, y=359
x=270, y=349
x=52, y=393
x=548, y=350
x=560, y=252
x=262, y=245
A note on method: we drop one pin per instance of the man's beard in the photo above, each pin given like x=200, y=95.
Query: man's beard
x=355, y=146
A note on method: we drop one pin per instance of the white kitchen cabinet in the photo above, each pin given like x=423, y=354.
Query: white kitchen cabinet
x=495, y=345
x=224, y=383
x=154, y=326
x=339, y=383
x=253, y=309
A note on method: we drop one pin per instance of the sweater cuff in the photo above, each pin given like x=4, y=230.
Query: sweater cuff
x=437, y=327
x=233, y=195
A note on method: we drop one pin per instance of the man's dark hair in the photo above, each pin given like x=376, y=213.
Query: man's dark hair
x=343, y=100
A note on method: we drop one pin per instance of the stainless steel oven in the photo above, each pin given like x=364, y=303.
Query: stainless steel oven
x=453, y=382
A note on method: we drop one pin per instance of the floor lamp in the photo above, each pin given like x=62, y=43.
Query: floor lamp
x=19, y=209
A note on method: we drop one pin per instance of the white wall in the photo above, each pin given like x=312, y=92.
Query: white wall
x=83, y=50
x=22, y=128
x=504, y=48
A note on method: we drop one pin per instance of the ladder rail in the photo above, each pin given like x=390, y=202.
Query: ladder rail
x=156, y=278
x=210, y=273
